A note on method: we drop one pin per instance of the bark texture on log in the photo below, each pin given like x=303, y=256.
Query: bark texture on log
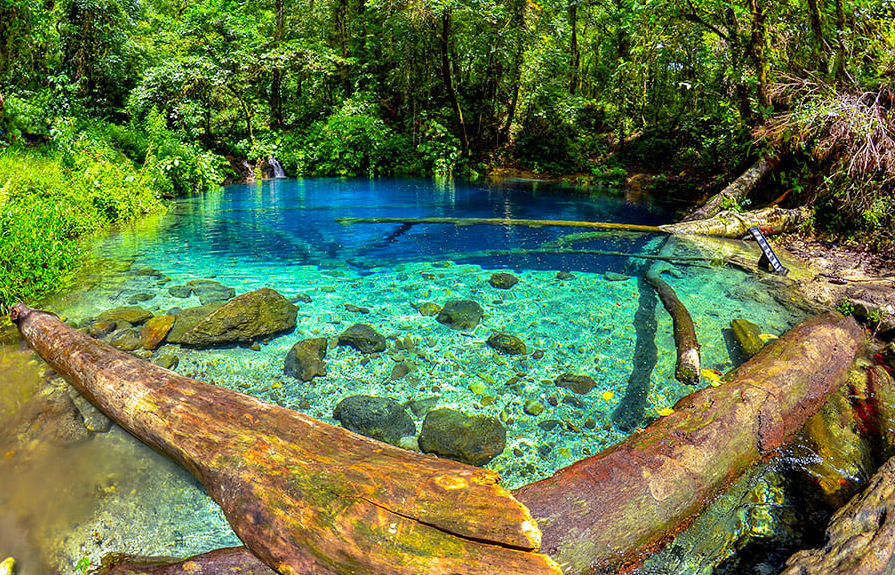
x=736, y=225
x=304, y=496
x=736, y=190
x=228, y=561
x=601, y=513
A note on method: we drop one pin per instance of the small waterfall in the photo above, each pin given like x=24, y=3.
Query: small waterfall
x=278, y=171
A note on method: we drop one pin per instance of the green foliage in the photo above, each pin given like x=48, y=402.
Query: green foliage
x=845, y=306
x=49, y=200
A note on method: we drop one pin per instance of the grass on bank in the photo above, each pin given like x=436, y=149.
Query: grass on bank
x=51, y=198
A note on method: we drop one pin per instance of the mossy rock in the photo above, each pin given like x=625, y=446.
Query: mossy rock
x=503, y=280
x=381, y=418
x=363, y=338
x=132, y=314
x=461, y=314
x=305, y=360
x=580, y=384
x=507, y=344
x=474, y=440
x=259, y=313
x=748, y=335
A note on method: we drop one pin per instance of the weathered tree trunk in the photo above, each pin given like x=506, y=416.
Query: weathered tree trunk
x=861, y=535
x=229, y=561
x=602, y=513
x=304, y=496
x=736, y=225
x=687, y=368
x=737, y=189
x=444, y=36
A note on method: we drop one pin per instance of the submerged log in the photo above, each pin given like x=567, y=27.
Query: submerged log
x=601, y=514
x=687, y=345
x=736, y=225
x=737, y=189
x=304, y=496
x=500, y=222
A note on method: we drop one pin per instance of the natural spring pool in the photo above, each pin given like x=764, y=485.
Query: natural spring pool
x=64, y=506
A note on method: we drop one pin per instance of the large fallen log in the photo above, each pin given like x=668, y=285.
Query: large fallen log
x=228, y=561
x=304, y=496
x=736, y=225
x=601, y=514
x=734, y=192
x=499, y=222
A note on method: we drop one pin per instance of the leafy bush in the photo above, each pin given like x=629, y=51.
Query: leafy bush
x=353, y=141
x=48, y=200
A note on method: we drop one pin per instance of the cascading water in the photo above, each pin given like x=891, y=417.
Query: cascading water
x=278, y=171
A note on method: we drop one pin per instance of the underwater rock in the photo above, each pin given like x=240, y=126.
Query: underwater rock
x=747, y=334
x=100, y=328
x=381, y=418
x=140, y=298
x=180, y=291
x=94, y=419
x=301, y=297
x=363, y=338
x=155, y=330
x=422, y=406
x=167, y=360
x=401, y=369
x=187, y=319
x=533, y=407
x=132, y=314
x=255, y=314
x=615, y=277
x=565, y=276
x=580, y=384
x=428, y=309
x=210, y=291
x=503, y=280
x=305, y=360
x=356, y=309
x=462, y=314
x=507, y=344
x=49, y=416
x=475, y=440
x=127, y=339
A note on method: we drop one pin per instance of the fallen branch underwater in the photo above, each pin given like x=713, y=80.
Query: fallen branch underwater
x=304, y=496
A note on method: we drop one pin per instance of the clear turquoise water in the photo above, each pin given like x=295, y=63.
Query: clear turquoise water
x=283, y=234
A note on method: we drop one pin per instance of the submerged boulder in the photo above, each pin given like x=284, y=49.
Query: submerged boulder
x=381, y=418
x=474, y=440
x=305, y=360
x=132, y=314
x=255, y=314
x=363, y=338
x=748, y=335
x=155, y=330
x=503, y=280
x=507, y=344
x=462, y=314
x=580, y=384
x=187, y=319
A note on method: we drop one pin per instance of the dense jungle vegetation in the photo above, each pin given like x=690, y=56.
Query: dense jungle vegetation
x=108, y=106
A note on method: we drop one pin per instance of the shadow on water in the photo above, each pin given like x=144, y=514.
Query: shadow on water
x=630, y=412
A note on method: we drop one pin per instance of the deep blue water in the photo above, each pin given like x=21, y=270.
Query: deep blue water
x=295, y=221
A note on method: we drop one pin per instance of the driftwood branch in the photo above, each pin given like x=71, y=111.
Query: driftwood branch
x=602, y=513
x=304, y=496
x=737, y=189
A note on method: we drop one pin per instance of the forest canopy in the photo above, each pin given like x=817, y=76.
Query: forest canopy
x=690, y=91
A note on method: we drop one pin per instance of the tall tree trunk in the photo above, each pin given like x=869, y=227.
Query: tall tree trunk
x=276, y=105
x=759, y=51
x=841, y=52
x=516, y=73
x=444, y=44
x=817, y=30
x=574, y=53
